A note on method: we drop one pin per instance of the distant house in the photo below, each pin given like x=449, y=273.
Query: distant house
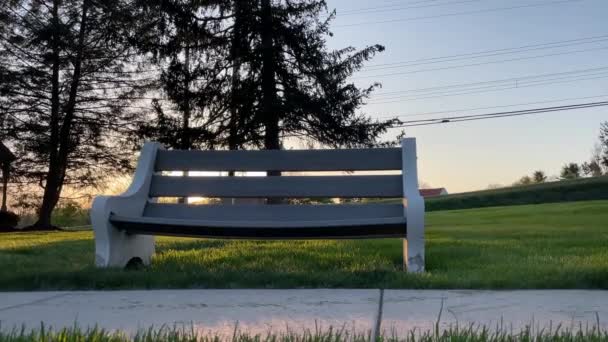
x=433, y=192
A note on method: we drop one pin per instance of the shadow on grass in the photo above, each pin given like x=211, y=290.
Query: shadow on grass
x=184, y=245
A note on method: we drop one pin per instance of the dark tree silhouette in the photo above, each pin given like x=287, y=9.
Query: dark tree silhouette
x=71, y=71
x=252, y=73
x=604, y=144
x=305, y=87
x=184, y=44
x=598, y=163
x=539, y=176
x=227, y=74
x=570, y=171
x=592, y=168
x=205, y=98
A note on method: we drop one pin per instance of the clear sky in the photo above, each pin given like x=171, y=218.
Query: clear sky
x=471, y=155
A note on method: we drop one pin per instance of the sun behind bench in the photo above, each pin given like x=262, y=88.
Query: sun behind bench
x=125, y=225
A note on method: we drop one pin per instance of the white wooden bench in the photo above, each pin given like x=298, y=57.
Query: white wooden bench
x=125, y=225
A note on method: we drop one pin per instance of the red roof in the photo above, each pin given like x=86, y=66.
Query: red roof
x=432, y=192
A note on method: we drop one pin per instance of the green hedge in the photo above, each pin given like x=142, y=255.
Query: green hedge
x=564, y=191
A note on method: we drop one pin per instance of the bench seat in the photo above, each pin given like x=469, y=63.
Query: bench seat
x=262, y=229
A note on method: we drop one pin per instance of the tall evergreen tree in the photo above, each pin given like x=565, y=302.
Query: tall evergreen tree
x=186, y=42
x=305, y=87
x=253, y=72
x=73, y=74
x=240, y=95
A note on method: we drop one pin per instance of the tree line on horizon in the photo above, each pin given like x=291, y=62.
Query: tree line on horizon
x=84, y=82
x=596, y=166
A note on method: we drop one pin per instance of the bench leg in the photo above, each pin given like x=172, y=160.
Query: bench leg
x=413, y=255
x=115, y=248
x=413, y=244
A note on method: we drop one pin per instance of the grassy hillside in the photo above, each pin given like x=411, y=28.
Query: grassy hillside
x=561, y=245
x=574, y=190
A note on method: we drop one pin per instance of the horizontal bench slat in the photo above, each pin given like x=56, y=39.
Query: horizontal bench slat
x=288, y=186
x=279, y=212
x=280, y=160
x=340, y=229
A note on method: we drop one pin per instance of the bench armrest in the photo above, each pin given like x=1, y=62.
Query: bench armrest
x=132, y=202
x=113, y=247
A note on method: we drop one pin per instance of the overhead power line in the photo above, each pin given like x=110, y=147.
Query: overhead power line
x=520, y=78
x=463, y=118
x=489, y=107
x=398, y=3
x=396, y=8
x=487, y=10
x=453, y=119
x=492, y=89
x=489, y=53
x=481, y=63
x=517, y=81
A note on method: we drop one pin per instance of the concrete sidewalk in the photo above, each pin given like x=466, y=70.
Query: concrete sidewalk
x=261, y=311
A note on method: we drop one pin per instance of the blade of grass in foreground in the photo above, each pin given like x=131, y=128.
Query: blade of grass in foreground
x=454, y=333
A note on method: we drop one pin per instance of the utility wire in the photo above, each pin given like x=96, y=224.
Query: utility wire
x=396, y=4
x=487, y=90
x=463, y=118
x=520, y=79
x=395, y=8
x=452, y=119
x=488, y=10
x=480, y=63
x=489, y=53
x=489, y=107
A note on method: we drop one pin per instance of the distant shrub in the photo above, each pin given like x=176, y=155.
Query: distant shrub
x=69, y=214
x=8, y=219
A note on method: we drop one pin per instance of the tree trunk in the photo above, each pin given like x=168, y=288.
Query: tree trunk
x=235, y=51
x=185, y=143
x=58, y=168
x=269, y=86
x=50, y=196
x=6, y=166
x=269, y=89
x=233, y=128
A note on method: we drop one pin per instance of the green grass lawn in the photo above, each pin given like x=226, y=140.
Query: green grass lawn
x=563, y=245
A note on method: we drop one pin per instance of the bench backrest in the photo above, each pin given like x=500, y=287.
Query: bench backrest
x=344, y=185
